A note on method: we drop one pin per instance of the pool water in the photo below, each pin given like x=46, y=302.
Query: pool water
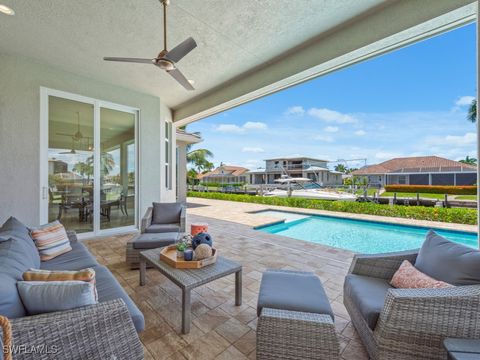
x=360, y=236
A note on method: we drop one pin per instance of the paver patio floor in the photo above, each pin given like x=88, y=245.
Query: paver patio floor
x=220, y=330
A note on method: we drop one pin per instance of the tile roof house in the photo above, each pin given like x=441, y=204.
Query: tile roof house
x=225, y=174
x=419, y=170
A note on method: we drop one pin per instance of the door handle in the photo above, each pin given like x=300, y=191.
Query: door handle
x=44, y=192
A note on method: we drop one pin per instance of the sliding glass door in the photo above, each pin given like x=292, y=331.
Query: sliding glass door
x=90, y=163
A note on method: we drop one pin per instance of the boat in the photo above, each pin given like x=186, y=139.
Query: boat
x=308, y=189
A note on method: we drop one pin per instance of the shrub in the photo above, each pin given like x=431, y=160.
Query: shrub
x=450, y=215
x=433, y=189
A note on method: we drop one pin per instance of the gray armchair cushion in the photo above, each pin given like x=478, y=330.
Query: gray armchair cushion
x=108, y=288
x=166, y=213
x=293, y=291
x=13, y=228
x=447, y=261
x=368, y=294
x=152, y=241
x=162, y=228
x=77, y=259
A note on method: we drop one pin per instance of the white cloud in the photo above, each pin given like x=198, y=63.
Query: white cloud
x=331, y=129
x=251, y=125
x=253, y=149
x=331, y=116
x=323, y=138
x=464, y=100
x=462, y=140
x=229, y=128
x=385, y=155
x=295, y=110
x=360, y=133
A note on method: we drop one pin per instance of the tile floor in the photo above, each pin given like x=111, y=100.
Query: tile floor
x=220, y=330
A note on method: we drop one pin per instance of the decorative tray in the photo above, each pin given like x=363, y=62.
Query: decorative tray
x=169, y=255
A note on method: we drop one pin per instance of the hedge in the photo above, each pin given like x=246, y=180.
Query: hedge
x=433, y=189
x=449, y=215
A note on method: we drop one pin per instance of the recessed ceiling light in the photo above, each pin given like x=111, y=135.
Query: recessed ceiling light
x=191, y=81
x=6, y=10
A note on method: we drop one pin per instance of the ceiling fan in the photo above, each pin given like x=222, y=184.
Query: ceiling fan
x=72, y=151
x=166, y=60
x=78, y=134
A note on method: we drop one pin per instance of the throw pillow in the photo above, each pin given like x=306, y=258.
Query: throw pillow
x=87, y=275
x=166, y=213
x=51, y=240
x=448, y=261
x=48, y=296
x=408, y=277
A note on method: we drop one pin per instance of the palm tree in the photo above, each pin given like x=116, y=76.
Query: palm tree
x=83, y=169
x=469, y=160
x=342, y=168
x=199, y=160
x=472, y=111
x=107, y=163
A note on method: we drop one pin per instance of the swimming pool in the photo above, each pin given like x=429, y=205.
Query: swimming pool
x=360, y=236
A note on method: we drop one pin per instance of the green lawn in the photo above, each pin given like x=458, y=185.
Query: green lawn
x=466, y=197
x=370, y=192
x=414, y=195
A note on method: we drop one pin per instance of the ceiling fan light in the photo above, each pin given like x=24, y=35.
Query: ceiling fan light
x=6, y=10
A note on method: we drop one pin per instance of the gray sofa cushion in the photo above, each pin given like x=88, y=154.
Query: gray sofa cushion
x=152, y=241
x=447, y=261
x=166, y=213
x=77, y=259
x=293, y=291
x=13, y=228
x=13, y=263
x=162, y=228
x=108, y=288
x=368, y=294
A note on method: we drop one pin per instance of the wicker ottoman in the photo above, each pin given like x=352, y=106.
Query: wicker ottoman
x=147, y=241
x=295, y=318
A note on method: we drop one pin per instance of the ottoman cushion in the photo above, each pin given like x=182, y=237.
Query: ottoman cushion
x=293, y=291
x=162, y=228
x=152, y=241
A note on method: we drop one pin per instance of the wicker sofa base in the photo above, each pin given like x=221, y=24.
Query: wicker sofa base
x=292, y=335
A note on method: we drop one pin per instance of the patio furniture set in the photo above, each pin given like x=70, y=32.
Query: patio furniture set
x=295, y=319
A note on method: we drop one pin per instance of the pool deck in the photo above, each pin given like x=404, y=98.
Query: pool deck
x=242, y=213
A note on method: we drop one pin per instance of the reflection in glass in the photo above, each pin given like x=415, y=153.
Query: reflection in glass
x=117, y=168
x=70, y=163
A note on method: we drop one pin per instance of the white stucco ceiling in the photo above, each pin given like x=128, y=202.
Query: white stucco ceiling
x=233, y=36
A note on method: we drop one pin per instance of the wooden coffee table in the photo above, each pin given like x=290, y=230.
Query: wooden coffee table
x=188, y=279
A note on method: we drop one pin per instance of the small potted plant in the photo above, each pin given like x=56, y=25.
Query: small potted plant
x=181, y=247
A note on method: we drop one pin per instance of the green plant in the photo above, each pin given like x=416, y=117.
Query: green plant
x=433, y=189
x=450, y=215
x=181, y=246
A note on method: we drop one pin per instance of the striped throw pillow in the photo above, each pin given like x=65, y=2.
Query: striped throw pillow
x=86, y=275
x=51, y=240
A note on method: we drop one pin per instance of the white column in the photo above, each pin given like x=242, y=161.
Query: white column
x=182, y=173
x=478, y=132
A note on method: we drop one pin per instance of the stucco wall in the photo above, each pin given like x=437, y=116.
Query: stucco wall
x=20, y=82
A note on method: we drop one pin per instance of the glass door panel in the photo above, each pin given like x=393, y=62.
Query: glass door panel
x=70, y=163
x=117, y=168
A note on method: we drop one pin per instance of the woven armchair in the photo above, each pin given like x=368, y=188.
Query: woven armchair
x=413, y=322
x=96, y=332
x=147, y=220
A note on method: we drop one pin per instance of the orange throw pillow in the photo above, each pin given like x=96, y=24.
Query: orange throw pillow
x=408, y=277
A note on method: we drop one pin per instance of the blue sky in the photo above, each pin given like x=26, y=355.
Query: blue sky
x=410, y=102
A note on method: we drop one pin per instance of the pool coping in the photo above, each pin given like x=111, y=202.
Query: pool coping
x=424, y=224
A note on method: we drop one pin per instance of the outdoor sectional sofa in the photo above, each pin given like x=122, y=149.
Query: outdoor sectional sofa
x=411, y=324
x=107, y=330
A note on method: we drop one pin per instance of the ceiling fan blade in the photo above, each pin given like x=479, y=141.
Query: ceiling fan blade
x=182, y=49
x=177, y=75
x=131, y=60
